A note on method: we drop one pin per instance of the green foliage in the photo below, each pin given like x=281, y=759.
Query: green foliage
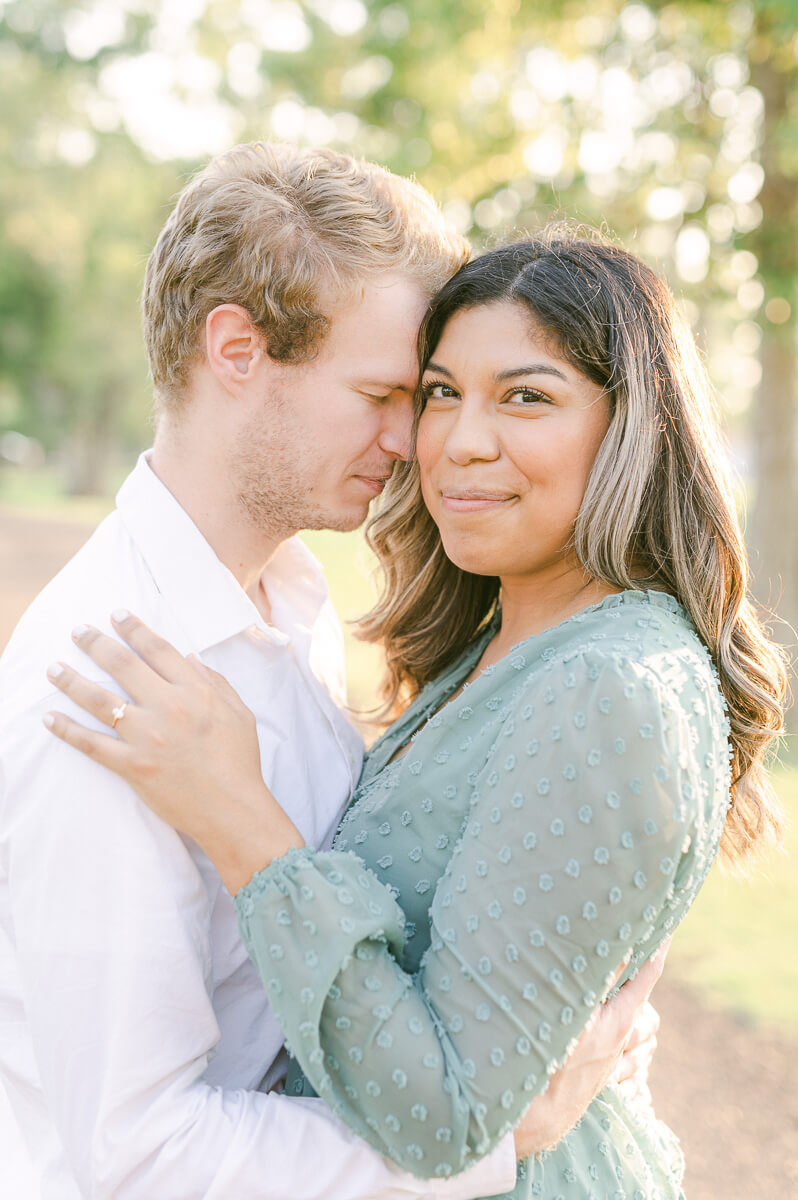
x=629, y=116
x=27, y=304
x=80, y=209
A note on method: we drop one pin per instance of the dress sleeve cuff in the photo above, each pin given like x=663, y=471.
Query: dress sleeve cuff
x=302, y=920
x=274, y=876
x=493, y=1175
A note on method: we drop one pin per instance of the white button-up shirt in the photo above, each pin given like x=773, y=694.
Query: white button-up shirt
x=136, y=1042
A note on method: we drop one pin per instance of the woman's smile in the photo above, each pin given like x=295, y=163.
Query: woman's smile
x=475, y=499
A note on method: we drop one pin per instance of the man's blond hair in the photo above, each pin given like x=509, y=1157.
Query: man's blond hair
x=276, y=228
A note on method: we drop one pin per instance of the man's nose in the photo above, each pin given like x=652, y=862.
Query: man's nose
x=396, y=436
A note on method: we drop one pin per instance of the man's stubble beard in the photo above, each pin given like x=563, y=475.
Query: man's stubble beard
x=274, y=473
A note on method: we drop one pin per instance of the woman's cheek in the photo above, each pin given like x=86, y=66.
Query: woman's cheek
x=428, y=445
x=422, y=437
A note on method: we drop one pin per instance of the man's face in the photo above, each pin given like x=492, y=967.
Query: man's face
x=326, y=437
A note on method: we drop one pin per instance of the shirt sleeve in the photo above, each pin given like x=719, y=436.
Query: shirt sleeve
x=577, y=837
x=111, y=925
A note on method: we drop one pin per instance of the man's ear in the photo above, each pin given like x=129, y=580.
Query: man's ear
x=233, y=345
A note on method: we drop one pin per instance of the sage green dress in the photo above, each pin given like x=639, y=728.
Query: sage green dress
x=433, y=969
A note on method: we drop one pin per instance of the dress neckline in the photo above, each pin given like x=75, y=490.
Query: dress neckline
x=435, y=697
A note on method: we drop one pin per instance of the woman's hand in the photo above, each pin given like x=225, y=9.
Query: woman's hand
x=184, y=741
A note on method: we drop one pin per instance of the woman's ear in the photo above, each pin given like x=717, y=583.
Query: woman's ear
x=233, y=345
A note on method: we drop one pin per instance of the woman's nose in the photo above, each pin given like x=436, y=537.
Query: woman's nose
x=473, y=436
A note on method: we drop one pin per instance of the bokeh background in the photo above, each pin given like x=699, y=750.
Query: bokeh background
x=674, y=126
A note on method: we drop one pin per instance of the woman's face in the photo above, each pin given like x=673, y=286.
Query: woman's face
x=505, y=443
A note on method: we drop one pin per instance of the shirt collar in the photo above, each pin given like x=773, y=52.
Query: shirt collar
x=205, y=595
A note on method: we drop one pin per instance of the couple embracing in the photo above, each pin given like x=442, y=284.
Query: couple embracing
x=456, y=936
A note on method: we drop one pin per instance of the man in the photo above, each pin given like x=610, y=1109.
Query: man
x=280, y=306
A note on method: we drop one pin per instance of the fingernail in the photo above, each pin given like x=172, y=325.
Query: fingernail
x=49, y=720
x=119, y=615
x=80, y=631
x=55, y=671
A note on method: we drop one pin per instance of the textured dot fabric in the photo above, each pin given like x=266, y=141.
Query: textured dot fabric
x=435, y=967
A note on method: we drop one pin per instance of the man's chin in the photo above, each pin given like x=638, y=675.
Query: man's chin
x=343, y=521
x=349, y=524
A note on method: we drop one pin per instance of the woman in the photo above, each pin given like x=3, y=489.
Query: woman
x=588, y=698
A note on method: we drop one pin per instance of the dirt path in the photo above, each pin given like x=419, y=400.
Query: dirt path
x=727, y=1089
x=31, y=551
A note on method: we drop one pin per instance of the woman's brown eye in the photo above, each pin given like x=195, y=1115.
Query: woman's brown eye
x=438, y=391
x=530, y=396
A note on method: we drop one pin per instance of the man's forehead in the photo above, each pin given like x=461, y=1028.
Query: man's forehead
x=390, y=365
x=389, y=306
x=373, y=334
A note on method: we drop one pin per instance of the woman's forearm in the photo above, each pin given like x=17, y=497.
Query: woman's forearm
x=246, y=835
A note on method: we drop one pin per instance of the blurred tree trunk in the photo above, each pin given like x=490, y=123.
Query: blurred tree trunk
x=774, y=527
x=87, y=449
x=774, y=530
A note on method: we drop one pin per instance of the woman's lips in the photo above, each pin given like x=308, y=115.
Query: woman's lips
x=474, y=501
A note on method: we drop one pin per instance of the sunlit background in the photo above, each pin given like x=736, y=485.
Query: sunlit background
x=673, y=126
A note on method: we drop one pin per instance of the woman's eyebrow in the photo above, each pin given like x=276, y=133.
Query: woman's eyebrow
x=532, y=369
x=510, y=373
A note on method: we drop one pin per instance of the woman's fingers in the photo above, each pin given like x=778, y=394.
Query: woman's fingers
x=617, y=1016
x=636, y=991
x=639, y=1047
x=634, y=1063
x=646, y=1026
x=152, y=649
x=138, y=679
x=90, y=696
x=105, y=749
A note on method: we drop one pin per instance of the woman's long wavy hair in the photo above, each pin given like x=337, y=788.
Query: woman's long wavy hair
x=658, y=510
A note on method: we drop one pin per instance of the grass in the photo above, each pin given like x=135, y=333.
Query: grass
x=738, y=943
